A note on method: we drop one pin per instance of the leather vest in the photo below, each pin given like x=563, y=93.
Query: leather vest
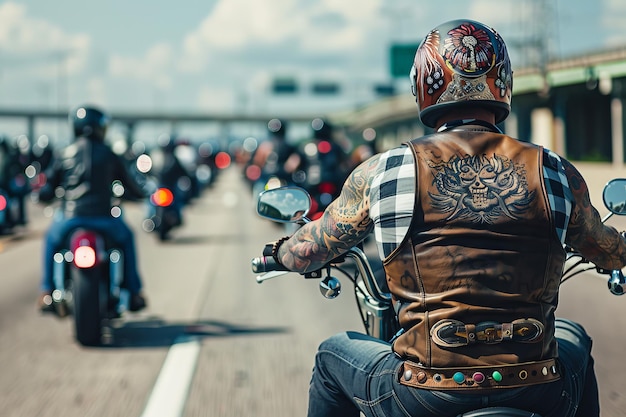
x=480, y=256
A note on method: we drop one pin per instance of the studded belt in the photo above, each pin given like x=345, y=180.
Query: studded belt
x=478, y=377
x=454, y=333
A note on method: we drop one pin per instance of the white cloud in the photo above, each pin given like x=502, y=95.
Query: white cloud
x=280, y=27
x=154, y=67
x=39, y=45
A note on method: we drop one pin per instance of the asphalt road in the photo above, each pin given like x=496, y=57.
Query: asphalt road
x=212, y=342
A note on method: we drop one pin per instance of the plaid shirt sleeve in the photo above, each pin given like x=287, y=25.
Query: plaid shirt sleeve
x=559, y=194
x=392, y=198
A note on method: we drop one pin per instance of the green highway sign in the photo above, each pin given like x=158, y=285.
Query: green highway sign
x=401, y=58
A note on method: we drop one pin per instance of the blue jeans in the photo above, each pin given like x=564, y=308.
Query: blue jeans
x=112, y=227
x=356, y=373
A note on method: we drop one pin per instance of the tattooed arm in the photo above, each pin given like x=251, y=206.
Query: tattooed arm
x=599, y=243
x=345, y=223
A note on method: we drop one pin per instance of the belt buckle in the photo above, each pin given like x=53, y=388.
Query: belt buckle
x=490, y=335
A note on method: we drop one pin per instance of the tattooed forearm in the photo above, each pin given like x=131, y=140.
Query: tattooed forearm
x=598, y=242
x=344, y=224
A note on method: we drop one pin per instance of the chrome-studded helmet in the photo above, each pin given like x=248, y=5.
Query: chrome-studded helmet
x=461, y=62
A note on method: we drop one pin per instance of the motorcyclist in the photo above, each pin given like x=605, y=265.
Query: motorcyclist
x=471, y=226
x=326, y=165
x=330, y=154
x=6, y=159
x=169, y=171
x=13, y=178
x=82, y=178
x=276, y=157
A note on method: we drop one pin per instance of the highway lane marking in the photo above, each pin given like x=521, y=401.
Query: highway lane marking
x=169, y=395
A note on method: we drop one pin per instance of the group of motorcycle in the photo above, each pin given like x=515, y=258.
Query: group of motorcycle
x=173, y=173
x=21, y=165
x=319, y=164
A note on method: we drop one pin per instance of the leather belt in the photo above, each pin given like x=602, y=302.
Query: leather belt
x=478, y=377
x=455, y=333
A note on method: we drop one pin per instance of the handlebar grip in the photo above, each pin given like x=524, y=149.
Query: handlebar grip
x=266, y=264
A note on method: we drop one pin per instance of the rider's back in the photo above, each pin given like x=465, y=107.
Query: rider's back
x=85, y=171
x=487, y=255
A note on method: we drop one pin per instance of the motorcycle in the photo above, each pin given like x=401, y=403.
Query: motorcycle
x=163, y=212
x=162, y=216
x=292, y=205
x=5, y=212
x=88, y=274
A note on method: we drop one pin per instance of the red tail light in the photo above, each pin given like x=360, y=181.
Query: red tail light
x=85, y=257
x=162, y=197
x=3, y=203
x=84, y=249
x=253, y=172
x=222, y=160
x=327, y=188
x=324, y=146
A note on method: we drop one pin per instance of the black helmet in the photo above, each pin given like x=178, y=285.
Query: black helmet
x=89, y=122
x=321, y=129
x=277, y=128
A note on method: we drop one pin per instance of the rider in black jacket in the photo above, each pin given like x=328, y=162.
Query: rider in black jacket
x=82, y=178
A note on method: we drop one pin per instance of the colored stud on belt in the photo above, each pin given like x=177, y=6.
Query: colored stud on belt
x=422, y=377
x=497, y=376
x=458, y=377
x=408, y=375
x=478, y=377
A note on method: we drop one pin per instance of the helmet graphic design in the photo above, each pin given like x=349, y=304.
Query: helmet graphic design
x=458, y=62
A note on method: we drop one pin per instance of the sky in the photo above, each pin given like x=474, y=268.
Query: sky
x=220, y=56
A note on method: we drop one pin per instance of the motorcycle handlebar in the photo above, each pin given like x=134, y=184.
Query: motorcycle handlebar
x=266, y=264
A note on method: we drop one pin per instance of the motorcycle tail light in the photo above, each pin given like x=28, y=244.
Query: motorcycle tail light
x=324, y=146
x=162, y=197
x=3, y=202
x=84, y=257
x=327, y=188
x=253, y=172
x=222, y=160
x=83, y=247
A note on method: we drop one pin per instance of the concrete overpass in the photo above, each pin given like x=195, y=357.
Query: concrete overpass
x=131, y=119
x=576, y=107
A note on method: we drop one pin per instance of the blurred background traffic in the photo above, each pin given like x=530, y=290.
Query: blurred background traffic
x=248, y=95
x=213, y=75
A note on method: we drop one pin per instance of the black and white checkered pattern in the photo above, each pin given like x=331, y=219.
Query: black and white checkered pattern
x=393, y=196
x=559, y=194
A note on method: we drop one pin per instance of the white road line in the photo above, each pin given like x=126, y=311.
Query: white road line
x=171, y=389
